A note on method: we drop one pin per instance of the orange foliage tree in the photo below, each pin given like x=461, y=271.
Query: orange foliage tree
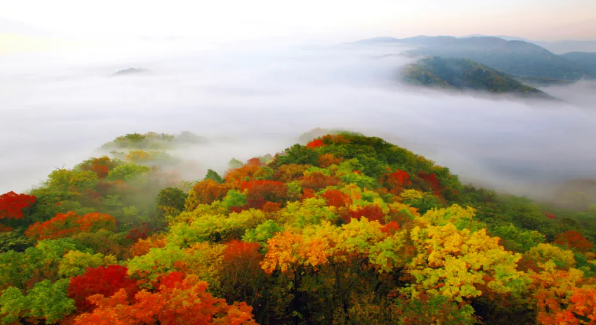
x=289, y=172
x=328, y=159
x=100, y=166
x=235, y=177
x=334, y=139
x=69, y=224
x=205, y=192
x=255, y=162
x=573, y=240
x=563, y=297
x=142, y=246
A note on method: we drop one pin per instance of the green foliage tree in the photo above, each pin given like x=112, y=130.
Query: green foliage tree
x=127, y=172
x=46, y=302
x=170, y=201
x=213, y=175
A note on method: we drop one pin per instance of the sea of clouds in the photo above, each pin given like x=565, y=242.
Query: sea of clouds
x=57, y=108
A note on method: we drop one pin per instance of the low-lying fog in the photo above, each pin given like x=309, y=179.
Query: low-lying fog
x=56, y=109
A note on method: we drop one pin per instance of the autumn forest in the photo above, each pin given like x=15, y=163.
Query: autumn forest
x=339, y=229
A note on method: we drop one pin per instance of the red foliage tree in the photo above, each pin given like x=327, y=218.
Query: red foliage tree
x=4, y=228
x=573, y=240
x=70, y=223
x=432, y=180
x=262, y=191
x=178, y=301
x=241, y=261
x=550, y=215
x=238, y=209
x=315, y=144
x=396, y=181
x=236, y=250
x=317, y=181
x=271, y=207
x=101, y=166
x=100, y=280
x=390, y=227
x=308, y=193
x=140, y=232
x=371, y=212
x=337, y=199
x=12, y=204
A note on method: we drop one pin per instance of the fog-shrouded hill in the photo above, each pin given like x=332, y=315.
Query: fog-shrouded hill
x=586, y=60
x=517, y=58
x=463, y=74
x=557, y=47
x=129, y=71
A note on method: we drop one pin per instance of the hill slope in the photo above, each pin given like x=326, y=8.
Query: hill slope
x=517, y=58
x=586, y=60
x=466, y=74
x=343, y=229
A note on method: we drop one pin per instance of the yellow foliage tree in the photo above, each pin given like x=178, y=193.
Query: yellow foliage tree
x=544, y=252
x=457, y=264
x=136, y=156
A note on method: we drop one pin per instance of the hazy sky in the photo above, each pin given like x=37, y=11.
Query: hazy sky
x=311, y=19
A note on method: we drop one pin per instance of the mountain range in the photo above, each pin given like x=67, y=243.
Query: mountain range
x=519, y=59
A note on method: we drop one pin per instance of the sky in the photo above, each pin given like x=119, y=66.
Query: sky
x=313, y=20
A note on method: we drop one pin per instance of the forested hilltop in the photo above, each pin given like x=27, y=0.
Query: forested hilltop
x=342, y=229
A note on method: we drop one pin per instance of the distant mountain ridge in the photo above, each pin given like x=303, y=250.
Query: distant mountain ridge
x=517, y=58
x=466, y=74
x=557, y=47
x=585, y=59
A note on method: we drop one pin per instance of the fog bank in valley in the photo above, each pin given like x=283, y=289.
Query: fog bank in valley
x=57, y=109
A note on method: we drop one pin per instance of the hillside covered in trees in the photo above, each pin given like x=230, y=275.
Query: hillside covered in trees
x=463, y=74
x=341, y=229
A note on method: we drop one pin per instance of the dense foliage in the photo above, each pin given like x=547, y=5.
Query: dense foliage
x=346, y=229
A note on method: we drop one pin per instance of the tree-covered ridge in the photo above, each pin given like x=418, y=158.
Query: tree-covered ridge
x=514, y=57
x=153, y=141
x=465, y=74
x=347, y=229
